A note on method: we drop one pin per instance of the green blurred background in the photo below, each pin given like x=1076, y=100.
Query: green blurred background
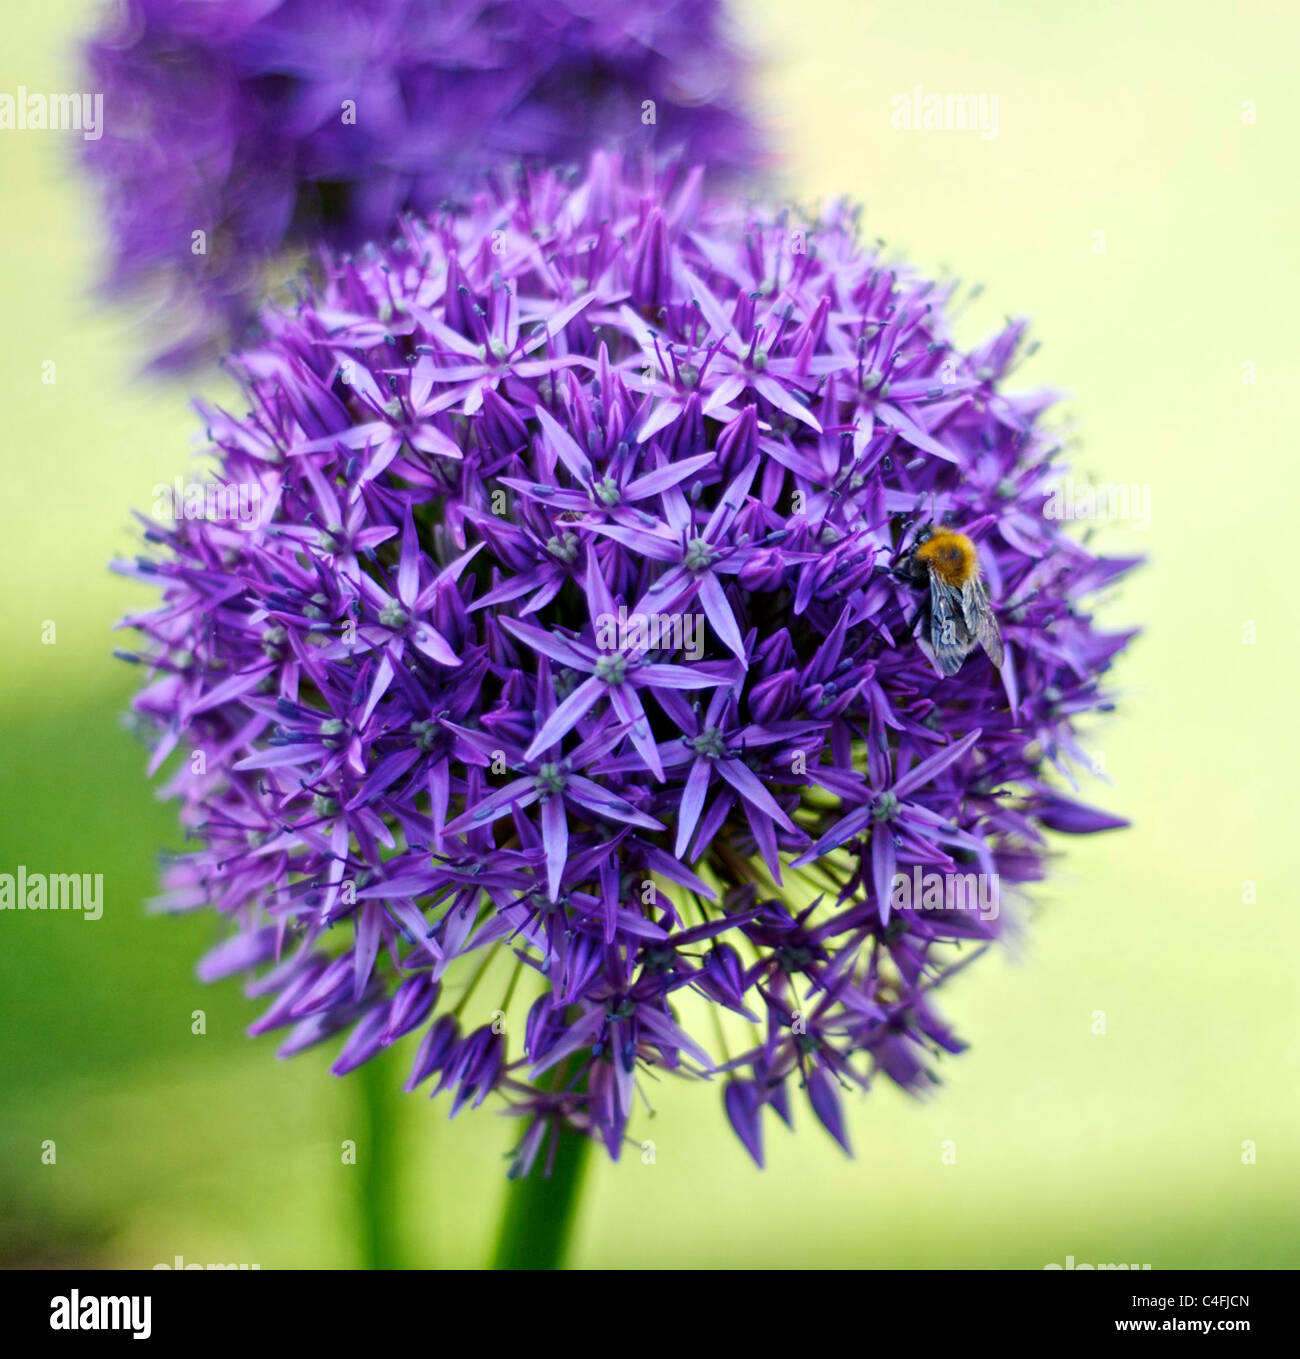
x=1166, y=127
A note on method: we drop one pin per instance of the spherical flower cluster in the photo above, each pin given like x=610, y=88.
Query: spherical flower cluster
x=565, y=682
x=235, y=131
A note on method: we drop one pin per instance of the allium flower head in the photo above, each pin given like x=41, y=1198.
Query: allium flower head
x=570, y=668
x=237, y=130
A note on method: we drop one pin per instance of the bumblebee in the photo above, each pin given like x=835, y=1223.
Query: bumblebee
x=960, y=614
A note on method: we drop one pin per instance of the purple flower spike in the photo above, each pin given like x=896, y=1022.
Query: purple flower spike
x=235, y=132
x=569, y=659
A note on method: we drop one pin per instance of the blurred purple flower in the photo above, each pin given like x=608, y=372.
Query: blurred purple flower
x=266, y=126
x=569, y=634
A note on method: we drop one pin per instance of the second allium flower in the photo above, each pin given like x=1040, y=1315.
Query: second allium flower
x=237, y=131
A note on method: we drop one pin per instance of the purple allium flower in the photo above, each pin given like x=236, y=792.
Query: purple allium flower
x=269, y=125
x=568, y=655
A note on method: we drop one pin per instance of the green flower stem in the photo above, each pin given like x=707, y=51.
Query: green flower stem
x=378, y=1155
x=540, y=1209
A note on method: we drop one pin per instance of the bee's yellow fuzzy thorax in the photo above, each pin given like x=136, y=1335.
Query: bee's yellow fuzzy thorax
x=951, y=556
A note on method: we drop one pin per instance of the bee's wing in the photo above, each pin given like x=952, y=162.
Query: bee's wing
x=990, y=638
x=974, y=603
x=950, y=636
x=980, y=620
